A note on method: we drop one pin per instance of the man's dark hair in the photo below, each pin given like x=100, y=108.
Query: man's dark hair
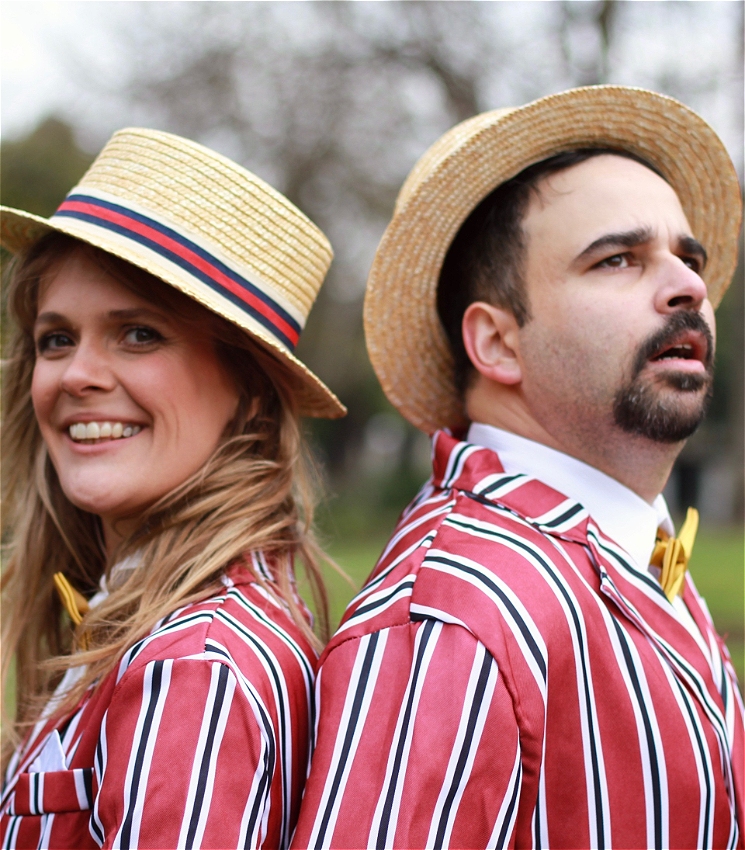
x=485, y=260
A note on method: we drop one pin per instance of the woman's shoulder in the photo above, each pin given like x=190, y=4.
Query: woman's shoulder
x=243, y=625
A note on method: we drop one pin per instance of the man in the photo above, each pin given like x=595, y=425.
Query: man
x=527, y=666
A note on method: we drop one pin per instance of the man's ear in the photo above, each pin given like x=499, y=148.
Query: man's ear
x=490, y=336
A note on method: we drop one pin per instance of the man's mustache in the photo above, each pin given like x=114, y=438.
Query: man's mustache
x=665, y=337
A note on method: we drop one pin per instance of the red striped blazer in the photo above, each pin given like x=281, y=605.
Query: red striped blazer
x=198, y=739
x=508, y=677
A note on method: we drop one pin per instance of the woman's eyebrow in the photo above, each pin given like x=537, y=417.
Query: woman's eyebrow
x=50, y=318
x=136, y=313
x=623, y=239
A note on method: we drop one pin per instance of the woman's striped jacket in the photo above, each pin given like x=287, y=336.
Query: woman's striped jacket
x=509, y=678
x=198, y=739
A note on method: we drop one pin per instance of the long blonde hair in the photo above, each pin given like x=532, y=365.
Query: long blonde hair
x=255, y=494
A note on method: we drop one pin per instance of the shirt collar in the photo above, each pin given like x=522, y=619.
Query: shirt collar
x=620, y=513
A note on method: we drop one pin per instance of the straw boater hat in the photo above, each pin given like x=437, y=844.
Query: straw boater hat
x=406, y=342
x=206, y=226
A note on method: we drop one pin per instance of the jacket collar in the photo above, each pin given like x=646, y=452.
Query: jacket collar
x=478, y=472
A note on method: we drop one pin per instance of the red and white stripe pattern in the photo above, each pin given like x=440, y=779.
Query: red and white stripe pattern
x=200, y=738
x=508, y=677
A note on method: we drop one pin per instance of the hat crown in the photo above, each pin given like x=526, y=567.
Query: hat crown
x=441, y=150
x=208, y=227
x=209, y=196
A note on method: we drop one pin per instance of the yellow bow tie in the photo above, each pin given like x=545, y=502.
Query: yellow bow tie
x=74, y=602
x=671, y=554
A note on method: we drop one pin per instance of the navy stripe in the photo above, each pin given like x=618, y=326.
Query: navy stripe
x=348, y=735
x=222, y=684
x=186, y=265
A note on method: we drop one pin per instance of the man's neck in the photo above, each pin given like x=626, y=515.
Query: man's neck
x=638, y=463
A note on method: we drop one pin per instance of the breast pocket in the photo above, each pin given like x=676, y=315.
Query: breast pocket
x=53, y=792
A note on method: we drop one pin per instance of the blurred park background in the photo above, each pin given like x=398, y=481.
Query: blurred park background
x=332, y=103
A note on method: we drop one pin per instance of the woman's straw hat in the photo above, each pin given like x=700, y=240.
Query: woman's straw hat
x=206, y=226
x=406, y=342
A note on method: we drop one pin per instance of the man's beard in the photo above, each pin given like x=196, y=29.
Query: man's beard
x=641, y=408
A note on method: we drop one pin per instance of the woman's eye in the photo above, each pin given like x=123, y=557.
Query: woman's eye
x=52, y=342
x=142, y=336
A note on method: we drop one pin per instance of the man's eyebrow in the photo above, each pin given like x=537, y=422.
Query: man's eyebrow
x=624, y=239
x=692, y=247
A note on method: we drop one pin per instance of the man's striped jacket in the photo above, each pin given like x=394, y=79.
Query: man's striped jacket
x=508, y=677
x=199, y=738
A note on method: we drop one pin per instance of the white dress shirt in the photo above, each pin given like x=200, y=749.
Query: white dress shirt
x=623, y=515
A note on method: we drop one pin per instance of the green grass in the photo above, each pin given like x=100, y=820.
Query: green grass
x=716, y=565
x=718, y=568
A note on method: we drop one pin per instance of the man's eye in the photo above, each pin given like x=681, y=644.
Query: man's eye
x=142, y=336
x=617, y=261
x=52, y=342
x=693, y=263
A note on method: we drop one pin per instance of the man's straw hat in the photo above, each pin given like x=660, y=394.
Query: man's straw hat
x=406, y=342
x=206, y=226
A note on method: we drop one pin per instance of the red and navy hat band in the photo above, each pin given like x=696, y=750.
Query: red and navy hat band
x=189, y=256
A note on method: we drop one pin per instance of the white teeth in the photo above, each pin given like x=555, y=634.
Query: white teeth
x=102, y=430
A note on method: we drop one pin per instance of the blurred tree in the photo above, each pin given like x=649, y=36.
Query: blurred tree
x=333, y=102
x=41, y=168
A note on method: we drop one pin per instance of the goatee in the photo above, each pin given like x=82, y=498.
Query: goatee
x=641, y=408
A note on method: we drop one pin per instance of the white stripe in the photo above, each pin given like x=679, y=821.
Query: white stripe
x=681, y=696
x=139, y=801
x=411, y=696
x=511, y=482
x=514, y=781
x=275, y=676
x=458, y=743
x=264, y=770
x=396, y=592
x=342, y=732
x=199, y=753
x=589, y=724
x=80, y=790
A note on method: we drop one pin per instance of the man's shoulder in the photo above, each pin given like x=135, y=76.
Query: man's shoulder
x=460, y=551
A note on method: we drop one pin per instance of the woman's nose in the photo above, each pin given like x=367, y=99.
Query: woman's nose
x=88, y=371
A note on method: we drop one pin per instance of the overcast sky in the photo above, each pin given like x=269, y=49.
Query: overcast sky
x=48, y=51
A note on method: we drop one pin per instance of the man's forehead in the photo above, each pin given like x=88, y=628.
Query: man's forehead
x=607, y=193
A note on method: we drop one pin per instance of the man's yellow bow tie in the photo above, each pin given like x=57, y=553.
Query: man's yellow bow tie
x=671, y=554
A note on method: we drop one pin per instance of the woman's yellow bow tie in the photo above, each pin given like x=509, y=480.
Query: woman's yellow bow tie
x=671, y=554
x=73, y=601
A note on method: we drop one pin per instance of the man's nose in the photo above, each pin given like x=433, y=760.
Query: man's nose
x=88, y=370
x=679, y=286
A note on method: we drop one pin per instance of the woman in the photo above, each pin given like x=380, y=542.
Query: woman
x=157, y=498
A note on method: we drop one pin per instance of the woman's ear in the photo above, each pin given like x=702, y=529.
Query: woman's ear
x=490, y=336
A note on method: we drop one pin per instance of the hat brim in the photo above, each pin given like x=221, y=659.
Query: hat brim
x=19, y=230
x=405, y=339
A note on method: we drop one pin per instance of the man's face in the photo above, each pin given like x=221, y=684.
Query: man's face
x=620, y=338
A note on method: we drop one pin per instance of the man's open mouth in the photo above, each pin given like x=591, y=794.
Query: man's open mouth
x=689, y=346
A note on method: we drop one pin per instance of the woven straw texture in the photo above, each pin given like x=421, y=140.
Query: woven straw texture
x=209, y=198
x=405, y=340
